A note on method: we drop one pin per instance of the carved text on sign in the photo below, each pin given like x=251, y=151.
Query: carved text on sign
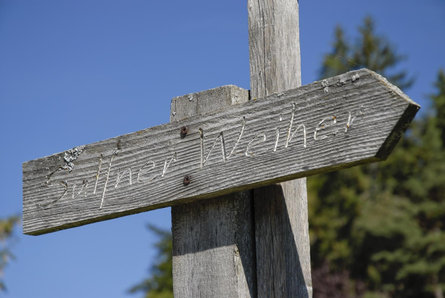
x=342, y=121
x=153, y=171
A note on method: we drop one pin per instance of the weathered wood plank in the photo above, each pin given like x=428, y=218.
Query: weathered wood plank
x=213, y=240
x=281, y=215
x=349, y=119
x=214, y=248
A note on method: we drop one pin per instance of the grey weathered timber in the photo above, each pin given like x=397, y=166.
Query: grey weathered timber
x=274, y=46
x=281, y=215
x=345, y=120
x=213, y=240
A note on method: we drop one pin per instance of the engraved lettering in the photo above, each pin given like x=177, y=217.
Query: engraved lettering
x=83, y=188
x=65, y=186
x=277, y=139
x=98, y=173
x=323, y=124
x=351, y=118
x=279, y=132
x=121, y=175
x=167, y=164
x=223, y=148
x=108, y=177
x=243, y=125
x=290, y=135
x=251, y=143
x=146, y=169
x=49, y=183
x=220, y=137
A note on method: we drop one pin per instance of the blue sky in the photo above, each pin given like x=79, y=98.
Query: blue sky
x=76, y=72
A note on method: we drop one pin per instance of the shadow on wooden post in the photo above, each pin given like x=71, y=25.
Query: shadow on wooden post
x=214, y=247
x=281, y=219
x=218, y=257
x=281, y=258
x=213, y=240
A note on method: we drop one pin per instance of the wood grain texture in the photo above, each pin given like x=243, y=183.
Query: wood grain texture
x=274, y=46
x=213, y=240
x=145, y=170
x=282, y=240
x=281, y=215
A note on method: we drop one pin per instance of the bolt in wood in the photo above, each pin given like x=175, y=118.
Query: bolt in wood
x=184, y=131
x=186, y=180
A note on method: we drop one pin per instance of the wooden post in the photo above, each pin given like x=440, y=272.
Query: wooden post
x=253, y=243
x=281, y=218
x=213, y=240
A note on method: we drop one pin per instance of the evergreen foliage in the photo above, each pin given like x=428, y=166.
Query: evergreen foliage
x=160, y=282
x=380, y=226
x=7, y=226
x=369, y=50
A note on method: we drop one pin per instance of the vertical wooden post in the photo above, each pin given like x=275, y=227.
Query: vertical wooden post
x=242, y=245
x=281, y=219
x=213, y=240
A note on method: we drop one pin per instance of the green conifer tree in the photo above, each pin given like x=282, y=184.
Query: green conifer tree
x=160, y=282
x=380, y=226
x=335, y=197
x=7, y=226
x=368, y=50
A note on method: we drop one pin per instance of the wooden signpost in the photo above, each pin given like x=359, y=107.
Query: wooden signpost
x=335, y=123
x=219, y=142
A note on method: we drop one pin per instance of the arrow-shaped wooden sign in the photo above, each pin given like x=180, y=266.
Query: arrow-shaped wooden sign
x=349, y=119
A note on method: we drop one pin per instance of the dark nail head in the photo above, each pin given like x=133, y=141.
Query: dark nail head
x=183, y=132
